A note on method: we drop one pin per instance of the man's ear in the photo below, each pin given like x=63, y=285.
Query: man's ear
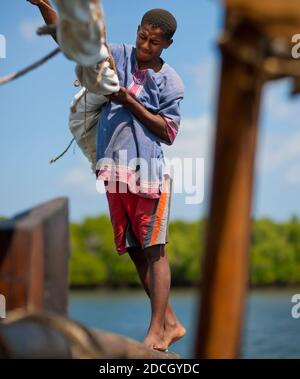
x=168, y=43
x=138, y=29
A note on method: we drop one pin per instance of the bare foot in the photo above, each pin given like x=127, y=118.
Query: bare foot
x=173, y=332
x=155, y=342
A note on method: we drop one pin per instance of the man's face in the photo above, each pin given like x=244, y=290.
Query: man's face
x=150, y=43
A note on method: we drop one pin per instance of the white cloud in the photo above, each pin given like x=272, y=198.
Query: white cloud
x=81, y=179
x=279, y=150
x=194, y=138
x=28, y=29
x=279, y=137
x=278, y=104
x=292, y=176
x=204, y=77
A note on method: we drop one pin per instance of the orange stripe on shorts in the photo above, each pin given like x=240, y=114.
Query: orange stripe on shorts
x=159, y=215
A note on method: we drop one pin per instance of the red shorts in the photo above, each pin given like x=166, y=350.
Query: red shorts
x=138, y=221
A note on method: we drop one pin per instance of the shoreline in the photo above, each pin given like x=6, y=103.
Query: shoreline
x=86, y=288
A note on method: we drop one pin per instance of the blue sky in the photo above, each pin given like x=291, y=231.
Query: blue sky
x=34, y=114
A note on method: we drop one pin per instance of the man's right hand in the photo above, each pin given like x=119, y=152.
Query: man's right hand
x=48, y=13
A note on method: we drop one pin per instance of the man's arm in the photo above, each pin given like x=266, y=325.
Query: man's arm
x=155, y=123
x=47, y=11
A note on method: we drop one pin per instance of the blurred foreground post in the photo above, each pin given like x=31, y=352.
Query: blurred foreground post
x=256, y=47
x=34, y=253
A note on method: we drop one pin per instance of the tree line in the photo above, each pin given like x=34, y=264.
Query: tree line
x=274, y=254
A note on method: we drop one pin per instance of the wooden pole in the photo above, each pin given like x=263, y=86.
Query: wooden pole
x=227, y=242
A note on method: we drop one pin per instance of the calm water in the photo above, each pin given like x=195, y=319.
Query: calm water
x=269, y=331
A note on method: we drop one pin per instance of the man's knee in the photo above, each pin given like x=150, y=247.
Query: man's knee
x=135, y=252
x=154, y=253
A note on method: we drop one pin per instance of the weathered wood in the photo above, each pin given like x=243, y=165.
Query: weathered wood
x=278, y=11
x=256, y=47
x=47, y=335
x=34, y=251
x=227, y=241
x=277, y=22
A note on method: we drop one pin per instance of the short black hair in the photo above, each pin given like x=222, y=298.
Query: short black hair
x=160, y=18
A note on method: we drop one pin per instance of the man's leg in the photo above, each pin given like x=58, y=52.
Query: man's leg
x=173, y=330
x=159, y=295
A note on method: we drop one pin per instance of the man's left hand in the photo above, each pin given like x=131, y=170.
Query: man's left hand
x=121, y=97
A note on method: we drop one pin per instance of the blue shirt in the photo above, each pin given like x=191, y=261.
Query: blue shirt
x=126, y=149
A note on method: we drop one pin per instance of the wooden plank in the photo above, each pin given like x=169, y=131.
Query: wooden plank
x=48, y=335
x=34, y=251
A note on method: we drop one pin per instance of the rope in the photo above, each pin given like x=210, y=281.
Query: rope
x=85, y=128
x=18, y=74
x=64, y=152
x=99, y=78
x=15, y=75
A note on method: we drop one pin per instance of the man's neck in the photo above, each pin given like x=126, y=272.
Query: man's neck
x=155, y=65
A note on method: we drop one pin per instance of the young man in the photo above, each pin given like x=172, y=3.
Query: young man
x=141, y=116
x=136, y=120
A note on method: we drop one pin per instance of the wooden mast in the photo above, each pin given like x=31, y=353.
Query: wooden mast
x=256, y=47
